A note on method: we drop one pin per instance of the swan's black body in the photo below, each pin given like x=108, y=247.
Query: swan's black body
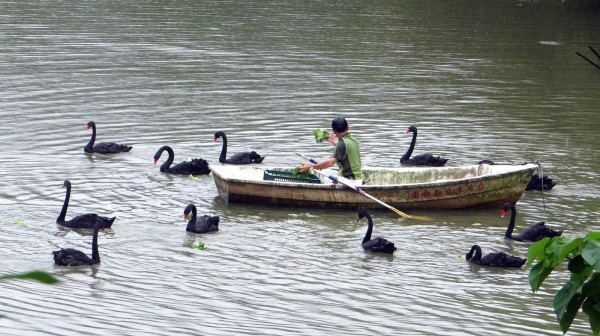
x=499, y=259
x=87, y=221
x=202, y=224
x=531, y=234
x=425, y=159
x=103, y=147
x=193, y=167
x=538, y=182
x=73, y=257
x=239, y=158
x=377, y=244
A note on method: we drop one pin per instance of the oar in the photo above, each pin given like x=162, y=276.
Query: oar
x=350, y=185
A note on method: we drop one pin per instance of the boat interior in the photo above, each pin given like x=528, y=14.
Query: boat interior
x=373, y=176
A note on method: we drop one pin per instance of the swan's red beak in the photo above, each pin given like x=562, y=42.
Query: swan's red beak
x=408, y=131
x=185, y=216
x=216, y=139
x=502, y=213
x=87, y=127
x=155, y=160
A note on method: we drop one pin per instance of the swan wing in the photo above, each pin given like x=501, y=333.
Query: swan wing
x=379, y=245
x=110, y=148
x=71, y=257
x=502, y=259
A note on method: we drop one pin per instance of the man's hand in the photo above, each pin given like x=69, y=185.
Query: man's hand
x=332, y=138
x=304, y=168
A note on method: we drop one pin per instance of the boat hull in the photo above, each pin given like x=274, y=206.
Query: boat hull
x=435, y=188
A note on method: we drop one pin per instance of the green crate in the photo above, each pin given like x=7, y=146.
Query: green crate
x=286, y=176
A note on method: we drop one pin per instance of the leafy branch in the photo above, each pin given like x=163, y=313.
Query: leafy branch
x=582, y=291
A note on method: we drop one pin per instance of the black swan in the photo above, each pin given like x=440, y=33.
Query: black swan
x=536, y=182
x=534, y=233
x=498, y=259
x=73, y=257
x=87, y=221
x=239, y=158
x=202, y=224
x=425, y=159
x=193, y=167
x=103, y=147
x=377, y=244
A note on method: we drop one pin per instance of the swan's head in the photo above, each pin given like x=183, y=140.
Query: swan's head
x=188, y=212
x=67, y=184
x=362, y=214
x=505, y=208
x=219, y=135
x=411, y=129
x=89, y=125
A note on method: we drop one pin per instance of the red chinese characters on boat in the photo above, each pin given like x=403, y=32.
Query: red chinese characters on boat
x=438, y=192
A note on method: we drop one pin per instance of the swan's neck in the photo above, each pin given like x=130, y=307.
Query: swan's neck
x=95, y=254
x=408, y=153
x=511, y=224
x=223, y=156
x=63, y=211
x=192, y=221
x=369, y=229
x=167, y=164
x=92, y=139
x=477, y=256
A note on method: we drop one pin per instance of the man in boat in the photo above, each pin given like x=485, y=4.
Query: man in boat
x=346, y=153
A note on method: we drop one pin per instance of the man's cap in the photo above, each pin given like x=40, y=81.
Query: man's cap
x=339, y=124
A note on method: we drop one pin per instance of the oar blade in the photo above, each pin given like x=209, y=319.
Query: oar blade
x=402, y=214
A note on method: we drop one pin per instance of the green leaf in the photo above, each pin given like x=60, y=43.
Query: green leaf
x=298, y=174
x=320, y=135
x=536, y=251
x=570, y=247
x=591, y=253
x=592, y=286
x=577, y=265
x=40, y=276
x=200, y=246
x=593, y=236
x=567, y=303
x=537, y=275
x=555, y=248
x=20, y=222
x=591, y=306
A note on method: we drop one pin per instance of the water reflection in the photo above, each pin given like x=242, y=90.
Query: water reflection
x=488, y=80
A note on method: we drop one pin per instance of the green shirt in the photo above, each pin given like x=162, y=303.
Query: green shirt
x=347, y=156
